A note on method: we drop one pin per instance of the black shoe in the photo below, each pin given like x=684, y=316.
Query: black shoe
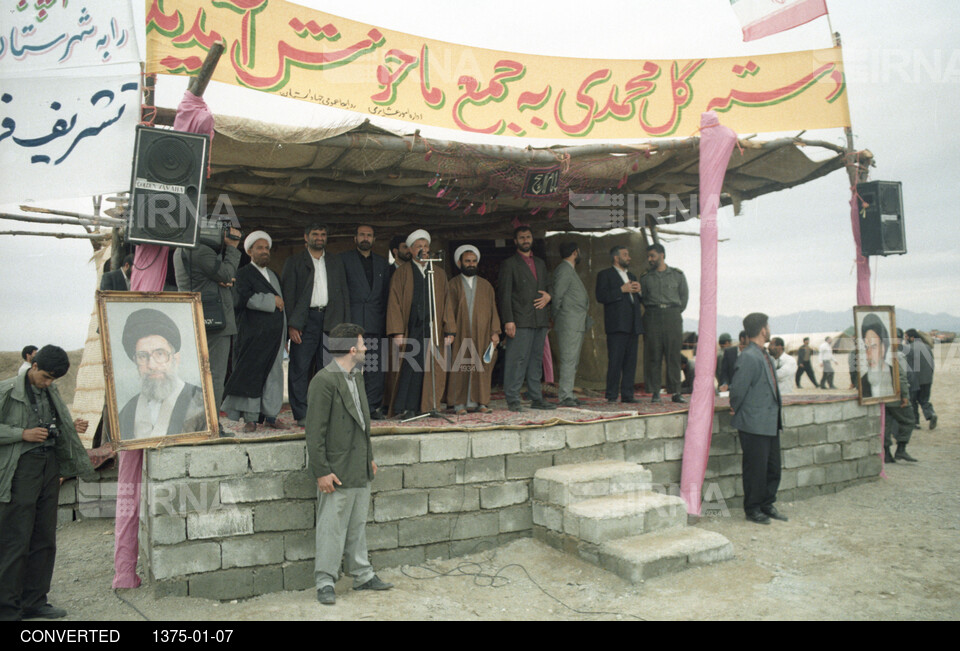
x=374, y=584
x=887, y=457
x=377, y=414
x=327, y=596
x=46, y=611
x=772, y=512
x=514, y=406
x=679, y=398
x=629, y=401
x=542, y=405
x=933, y=422
x=407, y=414
x=759, y=517
x=902, y=454
x=302, y=422
x=570, y=402
x=655, y=398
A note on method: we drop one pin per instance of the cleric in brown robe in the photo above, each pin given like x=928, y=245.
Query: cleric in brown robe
x=408, y=324
x=474, y=306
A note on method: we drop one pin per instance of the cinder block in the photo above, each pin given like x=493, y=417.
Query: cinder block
x=233, y=521
x=272, y=456
x=251, y=489
x=473, y=546
x=300, y=545
x=397, y=557
x=580, y=455
x=668, y=426
x=223, y=585
x=811, y=435
x=163, y=589
x=396, y=450
x=476, y=525
x=723, y=443
x=828, y=412
x=382, y=536
x=868, y=466
x=648, y=451
x=542, y=439
x=665, y=473
x=166, y=463
x=65, y=514
x=494, y=443
x=797, y=415
x=387, y=479
x=523, y=466
x=217, y=461
x=284, y=516
x=582, y=436
x=397, y=505
x=853, y=409
x=547, y=515
x=486, y=469
x=267, y=579
x=728, y=464
x=625, y=429
x=425, y=530
x=430, y=475
x=500, y=495
x=840, y=472
x=788, y=478
x=167, y=529
x=444, y=447
x=840, y=432
x=789, y=438
x=68, y=493
x=439, y=551
x=454, y=499
x=828, y=453
x=856, y=449
x=672, y=449
x=301, y=484
x=299, y=575
x=177, y=497
x=516, y=518
x=797, y=457
x=88, y=491
x=810, y=477
x=612, y=451
x=181, y=560
x=247, y=551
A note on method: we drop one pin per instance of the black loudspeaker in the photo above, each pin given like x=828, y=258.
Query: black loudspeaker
x=166, y=193
x=881, y=218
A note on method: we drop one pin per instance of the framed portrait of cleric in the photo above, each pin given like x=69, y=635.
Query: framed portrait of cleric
x=878, y=370
x=156, y=370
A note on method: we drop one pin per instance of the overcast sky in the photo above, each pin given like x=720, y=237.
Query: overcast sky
x=787, y=252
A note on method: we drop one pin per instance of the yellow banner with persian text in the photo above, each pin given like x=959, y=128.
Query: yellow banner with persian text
x=289, y=50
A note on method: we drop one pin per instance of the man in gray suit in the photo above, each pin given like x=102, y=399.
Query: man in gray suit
x=570, y=319
x=757, y=414
x=340, y=456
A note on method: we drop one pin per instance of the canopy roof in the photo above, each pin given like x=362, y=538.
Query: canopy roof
x=281, y=178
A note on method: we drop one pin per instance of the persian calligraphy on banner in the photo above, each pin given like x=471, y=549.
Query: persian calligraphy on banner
x=282, y=48
x=57, y=34
x=69, y=98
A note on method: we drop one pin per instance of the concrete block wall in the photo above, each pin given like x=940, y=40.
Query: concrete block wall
x=236, y=520
x=81, y=500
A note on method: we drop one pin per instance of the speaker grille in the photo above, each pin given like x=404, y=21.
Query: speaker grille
x=170, y=160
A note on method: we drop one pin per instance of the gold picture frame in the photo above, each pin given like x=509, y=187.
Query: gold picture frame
x=155, y=344
x=875, y=328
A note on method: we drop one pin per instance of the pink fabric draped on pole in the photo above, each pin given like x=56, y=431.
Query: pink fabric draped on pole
x=716, y=145
x=148, y=275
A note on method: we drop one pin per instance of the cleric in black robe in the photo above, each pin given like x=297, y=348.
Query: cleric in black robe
x=255, y=388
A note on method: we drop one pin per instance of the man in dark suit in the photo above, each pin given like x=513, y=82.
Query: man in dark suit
x=524, y=292
x=757, y=415
x=340, y=456
x=728, y=364
x=118, y=280
x=316, y=300
x=617, y=288
x=368, y=281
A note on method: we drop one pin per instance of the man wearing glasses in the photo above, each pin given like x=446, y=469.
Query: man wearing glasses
x=166, y=404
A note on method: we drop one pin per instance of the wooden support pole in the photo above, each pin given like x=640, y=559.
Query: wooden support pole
x=60, y=236
x=198, y=84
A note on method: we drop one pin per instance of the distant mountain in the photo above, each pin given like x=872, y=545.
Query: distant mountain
x=819, y=321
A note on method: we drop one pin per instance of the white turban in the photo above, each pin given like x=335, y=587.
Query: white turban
x=463, y=249
x=418, y=234
x=253, y=237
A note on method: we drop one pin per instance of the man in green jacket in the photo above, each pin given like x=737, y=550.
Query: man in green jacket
x=340, y=456
x=38, y=445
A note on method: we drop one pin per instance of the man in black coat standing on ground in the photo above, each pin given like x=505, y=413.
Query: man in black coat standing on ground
x=617, y=288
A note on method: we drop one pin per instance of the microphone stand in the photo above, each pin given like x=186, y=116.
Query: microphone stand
x=434, y=336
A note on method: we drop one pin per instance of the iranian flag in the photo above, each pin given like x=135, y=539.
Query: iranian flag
x=765, y=17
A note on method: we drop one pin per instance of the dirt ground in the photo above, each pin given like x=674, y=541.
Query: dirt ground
x=888, y=549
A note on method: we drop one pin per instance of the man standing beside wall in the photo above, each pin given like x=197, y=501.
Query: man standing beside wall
x=665, y=297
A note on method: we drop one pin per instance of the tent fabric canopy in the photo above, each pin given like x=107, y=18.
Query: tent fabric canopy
x=280, y=178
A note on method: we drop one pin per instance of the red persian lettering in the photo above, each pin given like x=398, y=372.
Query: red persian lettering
x=504, y=72
x=681, y=95
x=390, y=79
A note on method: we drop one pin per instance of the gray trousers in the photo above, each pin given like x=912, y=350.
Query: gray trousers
x=662, y=339
x=218, y=348
x=568, y=356
x=524, y=360
x=342, y=534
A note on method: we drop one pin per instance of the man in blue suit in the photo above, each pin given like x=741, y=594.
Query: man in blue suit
x=619, y=291
x=368, y=281
x=757, y=415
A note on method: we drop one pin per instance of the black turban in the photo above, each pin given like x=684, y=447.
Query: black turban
x=873, y=322
x=148, y=322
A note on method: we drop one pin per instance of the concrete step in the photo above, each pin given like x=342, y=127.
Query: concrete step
x=610, y=517
x=638, y=558
x=563, y=485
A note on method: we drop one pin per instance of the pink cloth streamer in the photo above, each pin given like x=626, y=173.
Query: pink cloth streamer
x=148, y=275
x=547, y=361
x=716, y=146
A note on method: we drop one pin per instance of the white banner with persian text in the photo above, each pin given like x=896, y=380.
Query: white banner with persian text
x=69, y=98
